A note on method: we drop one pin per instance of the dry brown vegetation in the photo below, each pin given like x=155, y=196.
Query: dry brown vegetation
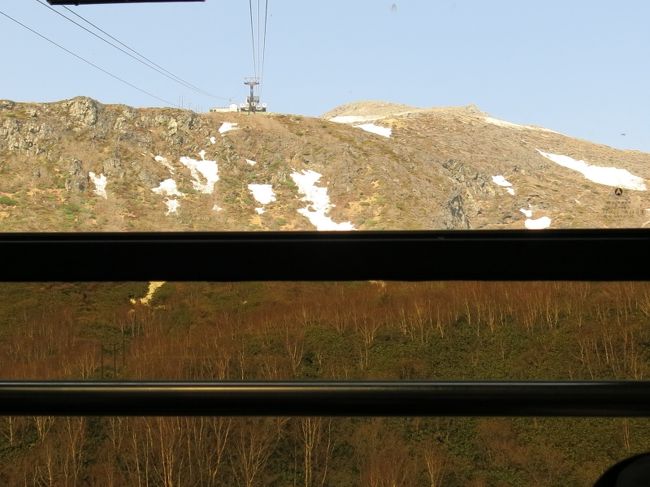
x=435, y=172
x=464, y=330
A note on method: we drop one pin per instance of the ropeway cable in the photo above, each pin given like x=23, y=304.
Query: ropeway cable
x=145, y=58
x=159, y=71
x=128, y=83
x=250, y=10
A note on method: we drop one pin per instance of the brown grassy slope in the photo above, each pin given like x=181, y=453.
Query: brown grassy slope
x=435, y=172
x=262, y=331
x=472, y=150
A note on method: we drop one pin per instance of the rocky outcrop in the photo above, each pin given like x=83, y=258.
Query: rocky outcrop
x=77, y=181
x=7, y=105
x=469, y=178
x=21, y=135
x=83, y=112
x=456, y=219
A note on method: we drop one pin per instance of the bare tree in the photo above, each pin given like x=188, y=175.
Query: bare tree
x=316, y=435
x=294, y=344
x=254, y=440
x=74, y=436
x=436, y=462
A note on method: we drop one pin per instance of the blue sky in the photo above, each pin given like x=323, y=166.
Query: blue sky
x=576, y=66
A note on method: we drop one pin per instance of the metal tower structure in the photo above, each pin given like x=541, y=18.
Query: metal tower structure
x=253, y=104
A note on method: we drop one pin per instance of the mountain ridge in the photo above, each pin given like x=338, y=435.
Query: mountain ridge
x=392, y=167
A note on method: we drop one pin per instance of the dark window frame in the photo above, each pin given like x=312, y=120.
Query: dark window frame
x=492, y=255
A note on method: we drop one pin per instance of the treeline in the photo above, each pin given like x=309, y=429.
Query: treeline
x=268, y=331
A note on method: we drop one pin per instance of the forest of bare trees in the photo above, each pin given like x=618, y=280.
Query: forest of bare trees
x=269, y=331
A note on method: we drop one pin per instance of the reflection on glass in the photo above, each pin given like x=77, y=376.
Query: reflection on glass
x=363, y=330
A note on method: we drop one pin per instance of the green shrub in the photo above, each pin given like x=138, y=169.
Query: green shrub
x=5, y=200
x=71, y=210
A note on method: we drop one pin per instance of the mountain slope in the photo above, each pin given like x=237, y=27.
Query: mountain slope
x=81, y=165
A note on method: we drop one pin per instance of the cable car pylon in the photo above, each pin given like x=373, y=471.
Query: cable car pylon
x=258, y=17
x=252, y=104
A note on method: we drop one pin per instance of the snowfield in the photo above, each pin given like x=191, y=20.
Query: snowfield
x=375, y=129
x=165, y=163
x=501, y=181
x=357, y=121
x=319, y=202
x=263, y=193
x=504, y=183
x=515, y=126
x=608, y=176
x=227, y=127
x=100, y=184
x=167, y=188
x=172, y=206
x=208, y=169
x=538, y=224
x=351, y=119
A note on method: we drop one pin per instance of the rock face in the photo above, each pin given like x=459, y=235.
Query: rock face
x=452, y=168
x=457, y=219
x=82, y=112
x=7, y=104
x=78, y=180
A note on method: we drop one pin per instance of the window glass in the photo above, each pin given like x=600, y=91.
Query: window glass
x=328, y=116
x=367, y=116
x=311, y=331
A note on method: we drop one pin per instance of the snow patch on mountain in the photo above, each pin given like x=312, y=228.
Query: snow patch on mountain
x=167, y=188
x=208, y=169
x=172, y=206
x=534, y=223
x=164, y=162
x=361, y=122
x=499, y=180
x=375, y=129
x=510, y=125
x=263, y=194
x=608, y=176
x=227, y=127
x=538, y=224
x=319, y=202
x=250, y=162
x=100, y=184
x=350, y=119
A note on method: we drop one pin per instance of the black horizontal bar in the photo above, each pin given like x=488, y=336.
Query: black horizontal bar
x=327, y=256
x=406, y=398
